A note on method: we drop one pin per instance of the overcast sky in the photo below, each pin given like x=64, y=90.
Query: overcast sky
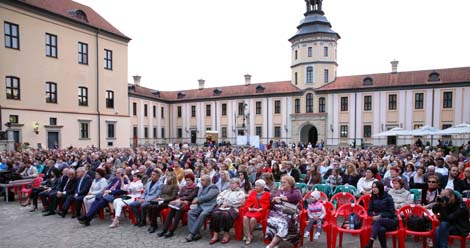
x=175, y=43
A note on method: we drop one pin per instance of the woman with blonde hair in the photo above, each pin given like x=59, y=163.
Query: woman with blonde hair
x=351, y=177
x=169, y=193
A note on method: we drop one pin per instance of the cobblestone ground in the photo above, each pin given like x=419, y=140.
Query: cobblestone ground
x=21, y=228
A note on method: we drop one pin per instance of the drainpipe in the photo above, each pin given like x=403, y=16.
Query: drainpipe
x=98, y=90
x=355, y=118
x=267, y=120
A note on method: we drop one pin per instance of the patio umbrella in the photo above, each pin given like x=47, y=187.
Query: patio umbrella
x=396, y=131
x=463, y=128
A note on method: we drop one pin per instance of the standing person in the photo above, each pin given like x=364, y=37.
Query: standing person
x=206, y=201
x=186, y=195
x=453, y=216
x=316, y=214
x=382, y=210
x=153, y=189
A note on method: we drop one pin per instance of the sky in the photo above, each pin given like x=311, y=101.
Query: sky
x=175, y=43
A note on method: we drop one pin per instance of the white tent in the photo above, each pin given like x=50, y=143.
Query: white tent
x=397, y=131
x=424, y=131
x=463, y=128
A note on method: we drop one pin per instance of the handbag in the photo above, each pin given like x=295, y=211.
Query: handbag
x=289, y=208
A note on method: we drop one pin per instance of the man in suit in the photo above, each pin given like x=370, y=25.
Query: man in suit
x=452, y=181
x=290, y=170
x=47, y=169
x=153, y=189
x=83, y=186
x=206, y=201
x=66, y=188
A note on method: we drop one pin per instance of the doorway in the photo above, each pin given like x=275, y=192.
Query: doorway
x=52, y=140
x=309, y=134
x=193, y=136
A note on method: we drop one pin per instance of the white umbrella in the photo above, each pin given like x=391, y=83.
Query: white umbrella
x=463, y=128
x=396, y=131
x=424, y=131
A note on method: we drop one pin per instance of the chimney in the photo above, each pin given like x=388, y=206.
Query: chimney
x=247, y=79
x=201, y=84
x=394, y=66
x=136, y=80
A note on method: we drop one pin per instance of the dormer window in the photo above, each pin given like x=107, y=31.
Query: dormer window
x=131, y=87
x=217, y=92
x=434, y=77
x=368, y=81
x=260, y=89
x=181, y=95
x=156, y=93
x=78, y=14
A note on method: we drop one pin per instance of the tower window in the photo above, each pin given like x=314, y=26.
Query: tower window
x=296, y=78
x=325, y=76
x=309, y=78
x=310, y=52
x=325, y=51
x=321, y=105
x=296, y=54
x=309, y=103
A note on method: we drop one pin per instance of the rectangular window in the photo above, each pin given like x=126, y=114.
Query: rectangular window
x=82, y=96
x=134, y=109
x=208, y=110
x=84, y=127
x=297, y=106
x=208, y=128
x=14, y=119
x=135, y=132
x=178, y=110
x=111, y=131
x=154, y=110
x=367, y=103
x=241, y=108
x=418, y=126
x=277, y=107
x=325, y=51
x=146, y=132
x=224, y=109
x=419, y=100
x=447, y=103
x=82, y=53
x=108, y=59
x=145, y=110
x=344, y=103
x=367, y=131
x=224, y=132
x=162, y=133
x=258, y=108
x=309, y=77
x=277, y=131
x=109, y=99
x=53, y=121
x=193, y=111
x=12, y=35
x=154, y=132
x=321, y=105
x=296, y=78
x=309, y=103
x=162, y=113
x=343, y=131
x=325, y=76
x=51, y=92
x=392, y=102
x=259, y=131
x=51, y=45
x=310, y=52
x=12, y=88
x=179, y=133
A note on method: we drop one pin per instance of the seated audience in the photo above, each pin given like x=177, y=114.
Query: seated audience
x=169, y=193
x=98, y=186
x=400, y=195
x=134, y=190
x=256, y=209
x=152, y=191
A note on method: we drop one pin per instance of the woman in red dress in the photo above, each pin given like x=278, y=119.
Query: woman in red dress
x=256, y=207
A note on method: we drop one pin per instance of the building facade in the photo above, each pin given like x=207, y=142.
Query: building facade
x=315, y=105
x=65, y=74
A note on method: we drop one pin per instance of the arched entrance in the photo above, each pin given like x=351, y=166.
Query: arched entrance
x=309, y=134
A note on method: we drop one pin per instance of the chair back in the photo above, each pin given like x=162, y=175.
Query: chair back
x=345, y=210
x=323, y=198
x=406, y=211
x=36, y=182
x=364, y=201
x=302, y=187
x=345, y=188
x=330, y=210
x=343, y=198
x=325, y=188
x=416, y=195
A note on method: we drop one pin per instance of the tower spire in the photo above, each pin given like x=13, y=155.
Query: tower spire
x=314, y=6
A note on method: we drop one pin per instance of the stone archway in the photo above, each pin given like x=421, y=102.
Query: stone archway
x=309, y=134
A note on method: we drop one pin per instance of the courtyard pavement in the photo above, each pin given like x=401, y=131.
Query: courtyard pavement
x=21, y=228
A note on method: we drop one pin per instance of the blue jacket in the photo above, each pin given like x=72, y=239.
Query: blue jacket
x=82, y=190
x=207, y=197
x=382, y=206
x=154, y=192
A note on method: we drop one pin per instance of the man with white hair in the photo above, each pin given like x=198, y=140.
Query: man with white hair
x=82, y=187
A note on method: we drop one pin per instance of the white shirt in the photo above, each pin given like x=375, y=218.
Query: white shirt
x=450, y=184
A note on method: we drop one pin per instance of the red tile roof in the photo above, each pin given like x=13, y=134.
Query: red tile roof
x=407, y=78
x=65, y=9
x=273, y=88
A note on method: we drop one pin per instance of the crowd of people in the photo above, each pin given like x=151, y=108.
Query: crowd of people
x=253, y=186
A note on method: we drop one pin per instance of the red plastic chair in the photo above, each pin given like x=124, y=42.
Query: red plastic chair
x=326, y=226
x=463, y=240
x=406, y=211
x=364, y=201
x=397, y=234
x=343, y=213
x=34, y=184
x=343, y=198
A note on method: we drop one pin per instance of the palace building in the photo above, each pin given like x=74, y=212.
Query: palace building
x=65, y=74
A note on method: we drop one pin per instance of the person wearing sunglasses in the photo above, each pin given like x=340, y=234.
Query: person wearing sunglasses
x=430, y=192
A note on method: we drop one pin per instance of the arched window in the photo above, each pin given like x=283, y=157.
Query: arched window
x=434, y=77
x=309, y=75
x=368, y=81
x=309, y=103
